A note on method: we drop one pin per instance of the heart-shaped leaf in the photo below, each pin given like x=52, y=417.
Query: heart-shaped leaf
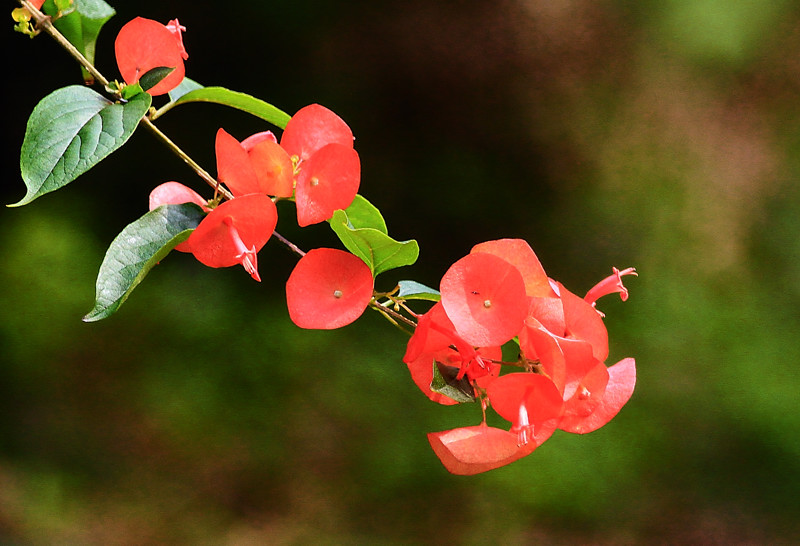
x=136, y=250
x=70, y=131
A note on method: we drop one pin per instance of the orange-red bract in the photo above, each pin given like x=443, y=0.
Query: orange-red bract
x=234, y=168
x=273, y=167
x=234, y=232
x=621, y=382
x=328, y=181
x=471, y=450
x=327, y=289
x=313, y=127
x=519, y=253
x=485, y=298
x=143, y=44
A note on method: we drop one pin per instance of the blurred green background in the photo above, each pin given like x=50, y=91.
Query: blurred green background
x=661, y=135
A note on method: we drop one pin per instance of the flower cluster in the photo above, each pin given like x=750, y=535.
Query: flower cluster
x=314, y=164
x=499, y=292
x=497, y=296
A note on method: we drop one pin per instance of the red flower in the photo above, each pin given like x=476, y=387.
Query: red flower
x=328, y=169
x=328, y=289
x=234, y=232
x=498, y=292
x=143, y=44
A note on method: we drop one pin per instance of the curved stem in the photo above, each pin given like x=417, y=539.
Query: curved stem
x=45, y=22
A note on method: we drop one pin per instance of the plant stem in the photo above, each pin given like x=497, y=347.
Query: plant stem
x=45, y=22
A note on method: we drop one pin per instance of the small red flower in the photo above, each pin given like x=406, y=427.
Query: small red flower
x=143, y=44
x=234, y=232
x=327, y=168
x=328, y=289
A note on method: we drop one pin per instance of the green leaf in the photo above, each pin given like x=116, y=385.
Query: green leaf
x=226, y=97
x=82, y=25
x=412, y=290
x=151, y=78
x=185, y=86
x=69, y=132
x=363, y=214
x=444, y=381
x=364, y=234
x=136, y=250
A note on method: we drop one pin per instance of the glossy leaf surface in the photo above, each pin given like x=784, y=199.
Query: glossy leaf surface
x=136, y=250
x=70, y=131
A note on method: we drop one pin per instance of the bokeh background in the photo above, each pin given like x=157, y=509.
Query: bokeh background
x=663, y=135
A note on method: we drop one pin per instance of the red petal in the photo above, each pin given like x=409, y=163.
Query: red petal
x=313, y=127
x=485, y=298
x=327, y=182
x=471, y=450
x=621, y=382
x=273, y=168
x=234, y=168
x=254, y=218
x=143, y=44
x=175, y=193
x=519, y=253
x=585, y=323
x=254, y=139
x=328, y=289
x=537, y=343
x=537, y=393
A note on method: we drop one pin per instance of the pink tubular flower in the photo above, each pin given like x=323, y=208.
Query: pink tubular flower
x=610, y=285
x=143, y=44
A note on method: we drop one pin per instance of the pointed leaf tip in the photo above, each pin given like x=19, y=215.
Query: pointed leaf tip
x=136, y=250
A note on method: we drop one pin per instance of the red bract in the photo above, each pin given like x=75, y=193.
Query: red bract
x=471, y=450
x=272, y=166
x=519, y=253
x=485, y=298
x=234, y=232
x=619, y=389
x=234, y=168
x=313, y=127
x=327, y=181
x=143, y=44
x=328, y=169
x=175, y=193
x=328, y=289
x=531, y=402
